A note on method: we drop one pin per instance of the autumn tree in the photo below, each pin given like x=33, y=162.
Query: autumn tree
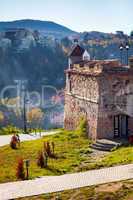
x=35, y=117
x=1, y=118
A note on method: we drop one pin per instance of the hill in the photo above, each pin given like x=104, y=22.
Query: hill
x=45, y=27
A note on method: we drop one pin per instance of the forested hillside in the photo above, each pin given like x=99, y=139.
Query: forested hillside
x=28, y=54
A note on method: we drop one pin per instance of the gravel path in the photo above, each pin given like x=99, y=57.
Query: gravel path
x=5, y=139
x=64, y=182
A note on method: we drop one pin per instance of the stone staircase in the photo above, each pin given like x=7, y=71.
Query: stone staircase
x=105, y=144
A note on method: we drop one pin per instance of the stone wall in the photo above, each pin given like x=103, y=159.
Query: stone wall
x=116, y=98
x=83, y=86
x=75, y=108
x=82, y=100
x=99, y=98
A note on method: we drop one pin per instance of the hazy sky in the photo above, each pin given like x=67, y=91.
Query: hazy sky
x=79, y=15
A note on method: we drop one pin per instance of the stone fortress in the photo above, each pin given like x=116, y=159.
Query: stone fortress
x=102, y=92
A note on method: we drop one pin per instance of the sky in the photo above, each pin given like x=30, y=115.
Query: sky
x=78, y=15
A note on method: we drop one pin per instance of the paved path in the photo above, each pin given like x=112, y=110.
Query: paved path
x=5, y=139
x=64, y=182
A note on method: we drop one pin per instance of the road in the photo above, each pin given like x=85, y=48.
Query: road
x=51, y=184
x=5, y=139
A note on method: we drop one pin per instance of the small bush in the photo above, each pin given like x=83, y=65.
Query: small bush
x=42, y=160
x=53, y=147
x=49, y=149
x=20, y=169
x=13, y=143
x=82, y=128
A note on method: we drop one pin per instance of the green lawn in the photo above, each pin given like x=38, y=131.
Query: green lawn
x=70, y=148
x=73, y=154
x=111, y=191
x=122, y=155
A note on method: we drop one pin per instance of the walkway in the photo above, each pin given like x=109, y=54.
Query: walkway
x=5, y=139
x=64, y=182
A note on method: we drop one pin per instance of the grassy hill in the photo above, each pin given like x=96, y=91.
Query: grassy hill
x=73, y=154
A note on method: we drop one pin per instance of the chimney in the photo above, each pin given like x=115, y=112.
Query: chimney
x=131, y=62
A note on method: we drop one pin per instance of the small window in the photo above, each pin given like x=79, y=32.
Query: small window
x=69, y=83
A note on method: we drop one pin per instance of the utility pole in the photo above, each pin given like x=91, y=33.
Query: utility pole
x=24, y=113
x=24, y=105
x=121, y=51
x=127, y=49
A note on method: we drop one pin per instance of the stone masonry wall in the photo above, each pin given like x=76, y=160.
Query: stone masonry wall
x=99, y=98
x=76, y=108
x=82, y=100
x=116, y=98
